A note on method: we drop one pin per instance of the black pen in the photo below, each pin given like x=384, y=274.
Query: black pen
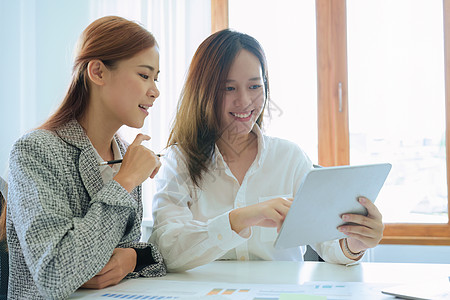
x=117, y=161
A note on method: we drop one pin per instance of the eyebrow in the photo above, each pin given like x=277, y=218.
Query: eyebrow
x=149, y=67
x=251, y=79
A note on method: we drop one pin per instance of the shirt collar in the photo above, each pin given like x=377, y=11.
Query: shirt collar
x=106, y=171
x=217, y=158
x=72, y=133
x=262, y=151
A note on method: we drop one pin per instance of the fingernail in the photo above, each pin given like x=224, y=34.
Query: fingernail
x=345, y=217
x=361, y=199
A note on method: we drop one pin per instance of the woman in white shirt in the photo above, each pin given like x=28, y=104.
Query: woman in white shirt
x=224, y=187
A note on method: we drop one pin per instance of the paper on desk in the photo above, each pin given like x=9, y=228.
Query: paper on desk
x=301, y=297
x=144, y=289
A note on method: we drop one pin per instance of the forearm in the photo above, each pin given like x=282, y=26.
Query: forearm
x=192, y=243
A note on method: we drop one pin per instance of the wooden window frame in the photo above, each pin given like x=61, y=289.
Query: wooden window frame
x=333, y=128
x=219, y=15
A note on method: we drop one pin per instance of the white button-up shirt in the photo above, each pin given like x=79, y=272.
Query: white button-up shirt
x=192, y=226
x=108, y=172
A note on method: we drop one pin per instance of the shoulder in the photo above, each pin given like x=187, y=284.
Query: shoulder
x=174, y=157
x=39, y=144
x=173, y=152
x=286, y=157
x=38, y=137
x=173, y=165
x=279, y=146
x=285, y=153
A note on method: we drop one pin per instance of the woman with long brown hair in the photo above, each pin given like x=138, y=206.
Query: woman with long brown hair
x=225, y=188
x=71, y=221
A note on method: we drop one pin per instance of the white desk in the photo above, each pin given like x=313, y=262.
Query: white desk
x=371, y=276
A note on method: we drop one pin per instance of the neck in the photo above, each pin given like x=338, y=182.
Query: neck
x=100, y=131
x=232, y=147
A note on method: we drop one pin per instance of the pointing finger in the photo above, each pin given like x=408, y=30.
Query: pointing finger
x=140, y=138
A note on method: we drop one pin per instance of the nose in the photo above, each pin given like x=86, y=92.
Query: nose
x=243, y=99
x=153, y=91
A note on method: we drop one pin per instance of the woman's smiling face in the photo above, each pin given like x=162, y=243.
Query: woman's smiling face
x=132, y=88
x=243, y=98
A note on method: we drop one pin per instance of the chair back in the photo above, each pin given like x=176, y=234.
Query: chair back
x=311, y=255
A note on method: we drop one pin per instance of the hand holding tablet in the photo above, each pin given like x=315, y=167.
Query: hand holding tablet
x=363, y=231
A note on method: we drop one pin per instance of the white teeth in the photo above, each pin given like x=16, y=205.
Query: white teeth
x=242, y=115
x=144, y=106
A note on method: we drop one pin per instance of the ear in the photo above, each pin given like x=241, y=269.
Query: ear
x=96, y=71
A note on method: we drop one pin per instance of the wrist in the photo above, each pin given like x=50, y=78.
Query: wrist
x=235, y=223
x=348, y=252
x=133, y=260
x=354, y=246
x=125, y=182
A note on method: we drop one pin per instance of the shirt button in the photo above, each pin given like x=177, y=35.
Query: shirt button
x=242, y=258
x=219, y=237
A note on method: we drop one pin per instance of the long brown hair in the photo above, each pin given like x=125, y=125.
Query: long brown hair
x=109, y=39
x=2, y=218
x=196, y=126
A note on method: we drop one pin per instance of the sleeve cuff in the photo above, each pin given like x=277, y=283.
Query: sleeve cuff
x=339, y=254
x=219, y=230
x=331, y=252
x=144, y=258
x=149, y=262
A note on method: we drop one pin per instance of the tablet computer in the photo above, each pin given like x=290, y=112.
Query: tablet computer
x=323, y=196
x=420, y=291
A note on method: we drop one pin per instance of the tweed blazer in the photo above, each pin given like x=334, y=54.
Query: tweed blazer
x=63, y=222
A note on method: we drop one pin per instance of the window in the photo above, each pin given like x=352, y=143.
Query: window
x=332, y=17
x=396, y=81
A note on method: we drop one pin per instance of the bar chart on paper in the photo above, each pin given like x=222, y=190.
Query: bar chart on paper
x=183, y=290
x=219, y=293
x=131, y=296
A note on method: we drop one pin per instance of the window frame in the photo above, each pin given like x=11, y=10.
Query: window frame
x=333, y=118
x=219, y=15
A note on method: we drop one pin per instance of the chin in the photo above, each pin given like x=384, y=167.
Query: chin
x=244, y=129
x=135, y=124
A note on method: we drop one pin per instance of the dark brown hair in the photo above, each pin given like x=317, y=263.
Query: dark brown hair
x=196, y=126
x=109, y=39
x=2, y=218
